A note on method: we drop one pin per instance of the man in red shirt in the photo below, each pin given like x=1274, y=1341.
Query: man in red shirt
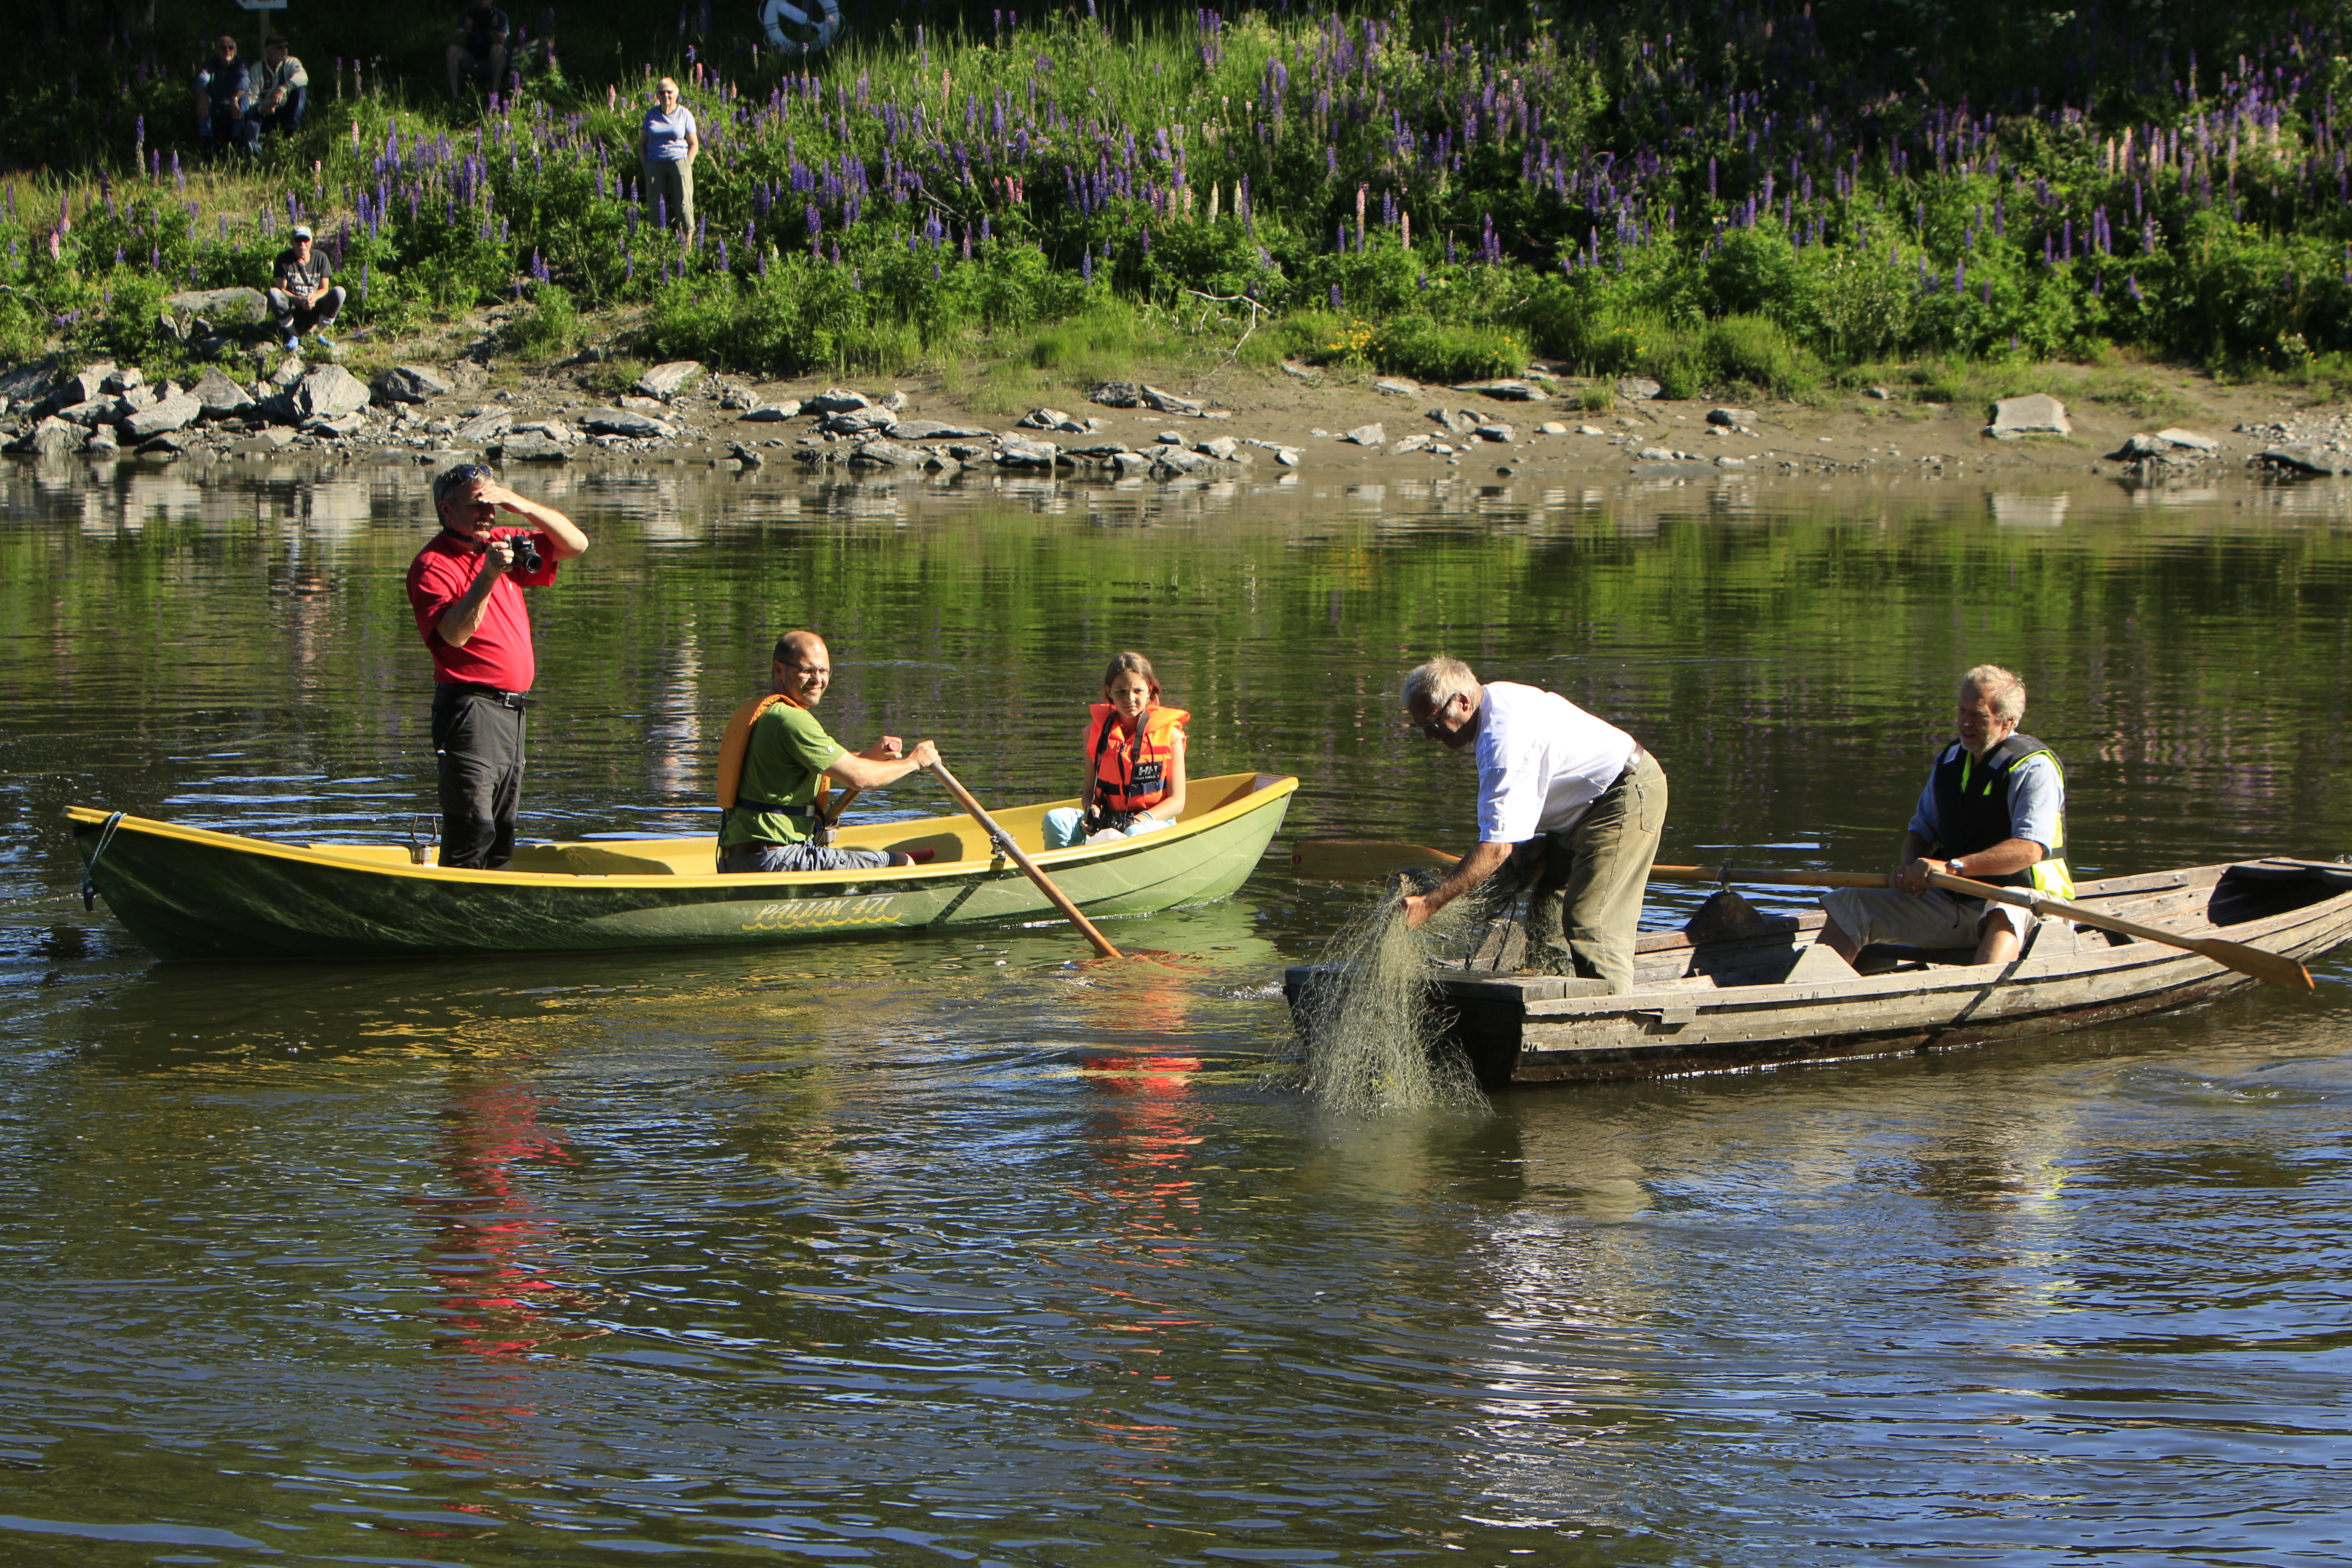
x=465, y=586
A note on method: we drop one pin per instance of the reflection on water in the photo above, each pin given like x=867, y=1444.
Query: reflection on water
x=971, y=1246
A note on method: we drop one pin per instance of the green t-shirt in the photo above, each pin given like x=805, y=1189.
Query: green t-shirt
x=788, y=750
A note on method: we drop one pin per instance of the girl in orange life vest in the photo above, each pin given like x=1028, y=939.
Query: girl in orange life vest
x=1135, y=762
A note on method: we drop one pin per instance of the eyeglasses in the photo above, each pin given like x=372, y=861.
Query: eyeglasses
x=1434, y=725
x=810, y=670
x=1987, y=714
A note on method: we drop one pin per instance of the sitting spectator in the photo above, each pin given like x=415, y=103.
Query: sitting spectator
x=303, y=294
x=224, y=90
x=478, y=50
x=281, y=89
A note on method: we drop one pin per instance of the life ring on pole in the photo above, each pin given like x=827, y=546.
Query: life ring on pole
x=802, y=27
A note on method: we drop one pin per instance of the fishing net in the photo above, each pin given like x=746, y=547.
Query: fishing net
x=1371, y=1032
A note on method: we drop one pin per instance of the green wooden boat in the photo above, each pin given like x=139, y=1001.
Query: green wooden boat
x=189, y=893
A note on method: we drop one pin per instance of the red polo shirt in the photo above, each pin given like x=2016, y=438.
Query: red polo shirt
x=499, y=654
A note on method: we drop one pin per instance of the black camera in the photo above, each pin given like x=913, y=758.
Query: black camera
x=526, y=556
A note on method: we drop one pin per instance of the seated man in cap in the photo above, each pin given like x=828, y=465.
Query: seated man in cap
x=303, y=294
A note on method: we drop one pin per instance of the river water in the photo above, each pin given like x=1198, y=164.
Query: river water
x=955, y=1250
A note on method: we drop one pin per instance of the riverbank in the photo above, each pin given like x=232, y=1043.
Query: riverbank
x=454, y=395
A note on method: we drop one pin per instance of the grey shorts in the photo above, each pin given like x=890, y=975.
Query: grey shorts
x=746, y=860
x=1936, y=918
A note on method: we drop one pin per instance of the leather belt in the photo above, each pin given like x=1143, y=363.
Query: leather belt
x=1633, y=759
x=518, y=700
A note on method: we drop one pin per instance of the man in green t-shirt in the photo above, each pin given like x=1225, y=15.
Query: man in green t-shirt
x=769, y=828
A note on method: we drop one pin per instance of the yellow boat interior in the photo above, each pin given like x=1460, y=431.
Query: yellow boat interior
x=950, y=839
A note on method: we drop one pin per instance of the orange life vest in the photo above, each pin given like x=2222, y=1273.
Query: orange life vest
x=737, y=744
x=1132, y=772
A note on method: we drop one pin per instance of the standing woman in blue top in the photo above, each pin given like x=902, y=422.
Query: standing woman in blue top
x=669, y=146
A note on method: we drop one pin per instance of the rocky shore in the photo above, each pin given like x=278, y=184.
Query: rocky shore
x=436, y=413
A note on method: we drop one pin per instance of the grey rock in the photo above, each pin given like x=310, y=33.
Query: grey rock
x=1727, y=462
x=51, y=438
x=1225, y=448
x=940, y=463
x=85, y=385
x=1176, y=461
x=836, y=400
x=894, y=400
x=1026, y=454
x=735, y=400
x=410, y=383
x=1401, y=388
x=860, y=422
x=1492, y=431
x=1128, y=464
x=1658, y=455
x=1367, y=436
x=1303, y=371
x=968, y=454
x=1411, y=444
x=747, y=456
x=335, y=426
x=2038, y=414
x=102, y=443
x=936, y=430
x=288, y=374
x=1510, y=391
x=2136, y=447
x=1168, y=401
x=123, y=380
x=810, y=456
x=1590, y=430
x=329, y=392
x=533, y=448
x=1116, y=394
x=555, y=430
x=1098, y=451
x=164, y=447
x=2190, y=440
x=1459, y=423
x=442, y=426
x=174, y=413
x=1738, y=418
x=27, y=384
x=1169, y=439
x=1638, y=388
x=626, y=422
x=135, y=398
x=2301, y=459
x=773, y=412
x=1049, y=419
x=1287, y=456
x=483, y=429
x=1552, y=428
x=653, y=405
x=666, y=380
x=881, y=453
x=263, y=442
x=93, y=411
x=248, y=307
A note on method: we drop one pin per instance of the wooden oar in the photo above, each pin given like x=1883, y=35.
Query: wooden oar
x=1364, y=859
x=1003, y=841
x=2276, y=968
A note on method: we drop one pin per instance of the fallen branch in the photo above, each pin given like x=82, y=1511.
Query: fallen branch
x=1234, y=354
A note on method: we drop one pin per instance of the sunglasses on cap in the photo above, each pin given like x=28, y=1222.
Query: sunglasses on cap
x=456, y=478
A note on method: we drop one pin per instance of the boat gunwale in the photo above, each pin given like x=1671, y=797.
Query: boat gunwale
x=1265, y=789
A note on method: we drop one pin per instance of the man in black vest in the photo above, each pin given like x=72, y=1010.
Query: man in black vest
x=1994, y=810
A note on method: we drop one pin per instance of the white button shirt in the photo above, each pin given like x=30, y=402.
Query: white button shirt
x=1542, y=760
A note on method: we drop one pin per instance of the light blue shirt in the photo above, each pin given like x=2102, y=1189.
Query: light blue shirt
x=2036, y=799
x=666, y=134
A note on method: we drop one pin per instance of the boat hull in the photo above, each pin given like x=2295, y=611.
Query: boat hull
x=191, y=894
x=1715, y=1000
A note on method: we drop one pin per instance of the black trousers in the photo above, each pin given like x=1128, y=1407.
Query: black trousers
x=478, y=744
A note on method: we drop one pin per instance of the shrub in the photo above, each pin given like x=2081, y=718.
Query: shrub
x=1425, y=350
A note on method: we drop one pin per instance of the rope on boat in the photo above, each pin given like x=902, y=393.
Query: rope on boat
x=105, y=837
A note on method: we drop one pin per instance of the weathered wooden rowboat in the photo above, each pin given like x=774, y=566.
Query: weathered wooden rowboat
x=190, y=893
x=1734, y=988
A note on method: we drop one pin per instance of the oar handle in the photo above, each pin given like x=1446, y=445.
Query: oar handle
x=1003, y=841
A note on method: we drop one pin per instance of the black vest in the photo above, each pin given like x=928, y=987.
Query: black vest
x=1972, y=806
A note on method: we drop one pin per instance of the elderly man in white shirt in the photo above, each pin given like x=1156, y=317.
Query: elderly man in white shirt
x=1555, y=784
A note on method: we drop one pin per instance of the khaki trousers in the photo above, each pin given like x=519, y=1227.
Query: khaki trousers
x=1587, y=906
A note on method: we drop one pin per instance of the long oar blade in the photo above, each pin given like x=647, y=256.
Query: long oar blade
x=1360, y=859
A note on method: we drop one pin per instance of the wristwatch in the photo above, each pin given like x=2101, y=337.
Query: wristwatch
x=1958, y=870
